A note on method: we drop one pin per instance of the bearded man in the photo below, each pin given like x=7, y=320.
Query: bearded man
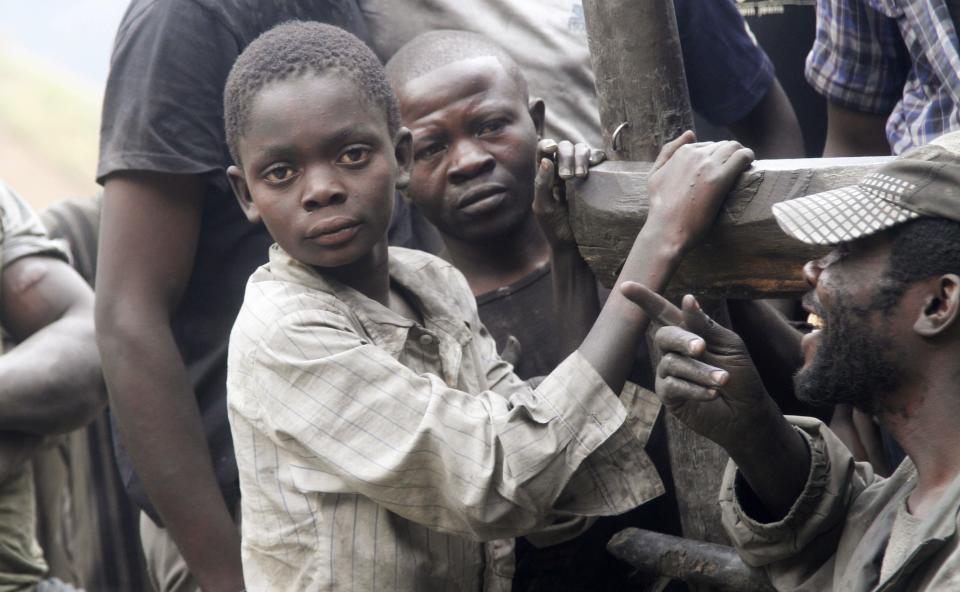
x=794, y=501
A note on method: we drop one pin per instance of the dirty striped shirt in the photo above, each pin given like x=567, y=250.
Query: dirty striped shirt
x=378, y=453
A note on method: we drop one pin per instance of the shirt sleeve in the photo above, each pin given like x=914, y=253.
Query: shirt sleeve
x=599, y=482
x=163, y=103
x=727, y=72
x=810, y=532
x=858, y=60
x=479, y=465
x=23, y=233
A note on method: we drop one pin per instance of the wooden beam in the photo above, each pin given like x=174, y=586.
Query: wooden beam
x=641, y=84
x=746, y=255
x=694, y=562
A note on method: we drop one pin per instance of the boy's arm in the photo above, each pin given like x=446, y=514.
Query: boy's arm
x=688, y=183
x=149, y=230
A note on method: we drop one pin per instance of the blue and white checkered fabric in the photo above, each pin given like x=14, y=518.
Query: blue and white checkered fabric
x=897, y=56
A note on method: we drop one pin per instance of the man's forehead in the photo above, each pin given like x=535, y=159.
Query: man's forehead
x=451, y=83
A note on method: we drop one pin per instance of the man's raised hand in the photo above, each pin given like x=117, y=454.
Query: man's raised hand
x=556, y=164
x=705, y=377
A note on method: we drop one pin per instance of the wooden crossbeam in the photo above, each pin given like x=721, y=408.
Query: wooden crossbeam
x=694, y=562
x=746, y=254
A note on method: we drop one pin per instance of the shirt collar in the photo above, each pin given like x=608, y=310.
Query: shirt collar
x=938, y=527
x=409, y=269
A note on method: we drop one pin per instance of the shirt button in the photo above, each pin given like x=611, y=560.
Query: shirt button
x=426, y=339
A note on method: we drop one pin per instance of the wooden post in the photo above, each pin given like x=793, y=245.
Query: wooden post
x=694, y=562
x=638, y=67
x=644, y=102
x=642, y=89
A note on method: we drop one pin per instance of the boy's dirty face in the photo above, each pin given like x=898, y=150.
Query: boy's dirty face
x=319, y=169
x=474, y=148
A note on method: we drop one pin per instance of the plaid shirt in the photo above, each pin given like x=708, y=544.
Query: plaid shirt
x=890, y=56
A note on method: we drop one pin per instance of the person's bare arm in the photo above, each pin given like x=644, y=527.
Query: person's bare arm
x=50, y=382
x=574, y=285
x=688, y=183
x=771, y=128
x=148, y=238
x=854, y=133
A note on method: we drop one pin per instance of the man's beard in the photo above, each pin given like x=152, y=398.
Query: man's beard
x=853, y=365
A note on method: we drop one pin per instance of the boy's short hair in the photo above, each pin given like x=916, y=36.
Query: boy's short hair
x=432, y=50
x=296, y=48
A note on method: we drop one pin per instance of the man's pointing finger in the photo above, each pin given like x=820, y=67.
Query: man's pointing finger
x=658, y=308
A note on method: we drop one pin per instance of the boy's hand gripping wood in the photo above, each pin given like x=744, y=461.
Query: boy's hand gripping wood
x=687, y=186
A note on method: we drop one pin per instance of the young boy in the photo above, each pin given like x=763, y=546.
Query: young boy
x=378, y=435
x=475, y=138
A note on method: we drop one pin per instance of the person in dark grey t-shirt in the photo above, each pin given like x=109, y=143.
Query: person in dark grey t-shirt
x=175, y=254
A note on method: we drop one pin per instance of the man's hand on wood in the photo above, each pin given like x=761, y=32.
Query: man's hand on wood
x=557, y=164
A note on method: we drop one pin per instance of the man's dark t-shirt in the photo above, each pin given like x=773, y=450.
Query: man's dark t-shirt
x=525, y=310
x=163, y=112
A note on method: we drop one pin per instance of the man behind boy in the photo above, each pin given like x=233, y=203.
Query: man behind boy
x=475, y=176
x=379, y=437
x=475, y=133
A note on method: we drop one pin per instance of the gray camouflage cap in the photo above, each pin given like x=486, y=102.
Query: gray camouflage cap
x=922, y=182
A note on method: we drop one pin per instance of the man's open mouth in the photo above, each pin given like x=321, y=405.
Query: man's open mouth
x=815, y=321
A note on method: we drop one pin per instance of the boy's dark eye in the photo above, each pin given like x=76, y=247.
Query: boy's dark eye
x=354, y=155
x=429, y=150
x=278, y=174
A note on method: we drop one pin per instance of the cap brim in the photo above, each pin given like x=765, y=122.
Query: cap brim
x=838, y=216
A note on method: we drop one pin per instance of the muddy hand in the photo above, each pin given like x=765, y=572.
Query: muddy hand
x=705, y=377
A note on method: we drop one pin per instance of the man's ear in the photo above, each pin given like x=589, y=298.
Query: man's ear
x=538, y=112
x=242, y=193
x=941, y=306
x=403, y=150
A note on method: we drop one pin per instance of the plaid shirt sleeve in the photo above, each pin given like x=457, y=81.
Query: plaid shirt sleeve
x=858, y=59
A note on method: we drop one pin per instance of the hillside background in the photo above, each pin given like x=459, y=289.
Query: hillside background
x=54, y=57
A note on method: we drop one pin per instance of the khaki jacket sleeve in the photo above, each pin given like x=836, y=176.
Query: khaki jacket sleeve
x=798, y=546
